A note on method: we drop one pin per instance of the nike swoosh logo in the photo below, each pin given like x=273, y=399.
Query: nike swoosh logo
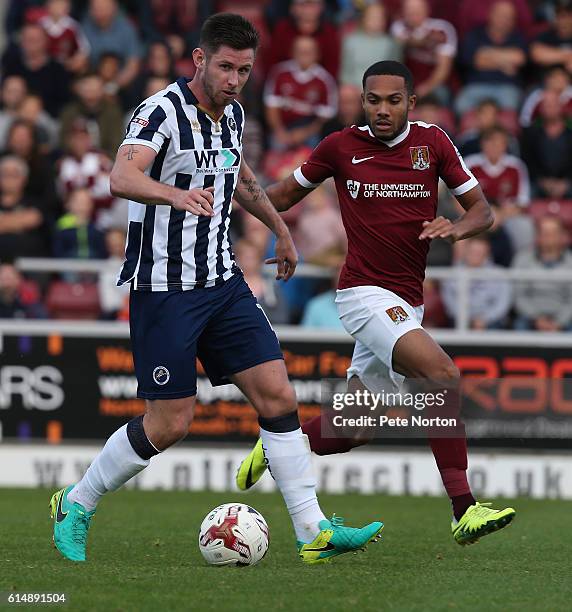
x=355, y=160
x=329, y=546
x=60, y=516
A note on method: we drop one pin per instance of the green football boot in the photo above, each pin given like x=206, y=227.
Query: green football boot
x=252, y=468
x=480, y=520
x=335, y=539
x=71, y=524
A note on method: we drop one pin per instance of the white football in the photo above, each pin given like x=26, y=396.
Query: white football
x=233, y=534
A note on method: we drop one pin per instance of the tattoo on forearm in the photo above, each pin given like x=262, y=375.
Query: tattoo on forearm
x=130, y=153
x=253, y=189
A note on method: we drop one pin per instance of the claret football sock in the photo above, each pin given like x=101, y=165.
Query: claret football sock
x=451, y=458
x=461, y=503
x=322, y=444
x=126, y=453
x=451, y=452
x=289, y=461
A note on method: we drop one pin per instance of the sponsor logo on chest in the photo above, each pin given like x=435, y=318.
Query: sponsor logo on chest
x=215, y=161
x=353, y=188
x=387, y=190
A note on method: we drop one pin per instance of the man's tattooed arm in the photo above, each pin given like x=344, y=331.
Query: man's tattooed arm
x=250, y=195
x=129, y=181
x=253, y=199
x=130, y=152
x=252, y=188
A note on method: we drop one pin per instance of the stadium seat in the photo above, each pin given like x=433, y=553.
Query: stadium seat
x=278, y=165
x=558, y=208
x=73, y=301
x=468, y=121
x=445, y=119
x=29, y=291
x=507, y=118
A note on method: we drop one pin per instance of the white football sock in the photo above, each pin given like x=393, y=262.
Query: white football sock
x=290, y=463
x=113, y=467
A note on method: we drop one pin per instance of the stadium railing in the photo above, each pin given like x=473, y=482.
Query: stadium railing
x=289, y=333
x=36, y=264
x=463, y=276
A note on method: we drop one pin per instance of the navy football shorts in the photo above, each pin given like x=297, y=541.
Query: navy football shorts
x=224, y=326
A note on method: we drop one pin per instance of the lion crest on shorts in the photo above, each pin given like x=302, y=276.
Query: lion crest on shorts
x=419, y=157
x=397, y=314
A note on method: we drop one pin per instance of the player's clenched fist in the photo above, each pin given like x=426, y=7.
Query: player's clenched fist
x=197, y=201
x=439, y=228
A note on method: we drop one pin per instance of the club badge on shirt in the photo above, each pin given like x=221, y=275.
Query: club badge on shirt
x=419, y=157
x=397, y=314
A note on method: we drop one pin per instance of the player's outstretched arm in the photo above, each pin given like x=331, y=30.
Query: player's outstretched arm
x=250, y=195
x=128, y=180
x=477, y=218
x=286, y=193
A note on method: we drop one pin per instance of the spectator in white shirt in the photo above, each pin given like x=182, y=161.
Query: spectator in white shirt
x=489, y=300
x=368, y=44
x=545, y=305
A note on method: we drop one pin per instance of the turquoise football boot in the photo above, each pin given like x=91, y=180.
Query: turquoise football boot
x=71, y=524
x=335, y=539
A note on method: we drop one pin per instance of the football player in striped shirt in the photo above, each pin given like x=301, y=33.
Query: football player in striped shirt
x=180, y=166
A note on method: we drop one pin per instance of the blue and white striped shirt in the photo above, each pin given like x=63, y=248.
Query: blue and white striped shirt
x=168, y=249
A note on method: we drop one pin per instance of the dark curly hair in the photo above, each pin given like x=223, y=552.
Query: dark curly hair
x=392, y=68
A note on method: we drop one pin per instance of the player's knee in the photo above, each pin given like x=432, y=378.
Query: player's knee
x=167, y=424
x=446, y=372
x=281, y=400
x=285, y=401
x=361, y=437
x=174, y=429
x=179, y=427
x=453, y=373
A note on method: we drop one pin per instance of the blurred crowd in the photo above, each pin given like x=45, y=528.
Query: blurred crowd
x=495, y=74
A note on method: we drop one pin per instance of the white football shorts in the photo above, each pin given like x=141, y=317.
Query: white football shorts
x=376, y=318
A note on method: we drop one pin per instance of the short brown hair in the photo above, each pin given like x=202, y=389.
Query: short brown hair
x=228, y=29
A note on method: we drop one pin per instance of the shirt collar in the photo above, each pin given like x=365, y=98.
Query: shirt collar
x=189, y=96
x=390, y=143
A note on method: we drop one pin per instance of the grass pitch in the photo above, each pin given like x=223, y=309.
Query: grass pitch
x=143, y=555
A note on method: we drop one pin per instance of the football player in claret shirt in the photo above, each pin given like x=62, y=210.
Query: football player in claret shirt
x=386, y=175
